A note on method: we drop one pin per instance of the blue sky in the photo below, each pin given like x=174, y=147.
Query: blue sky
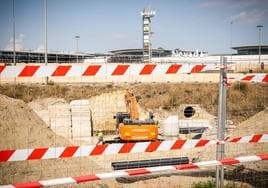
x=105, y=25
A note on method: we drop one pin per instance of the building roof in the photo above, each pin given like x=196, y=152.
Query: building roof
x=138, y=51
x=250, y=47
x=54, y=53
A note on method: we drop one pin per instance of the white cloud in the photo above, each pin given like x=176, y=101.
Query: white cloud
x=18, y=43
x=253, y=16
x=233, y=4
x=210, y=3
x=246, y=11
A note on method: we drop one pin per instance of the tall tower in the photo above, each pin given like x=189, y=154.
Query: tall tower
x=147, y=14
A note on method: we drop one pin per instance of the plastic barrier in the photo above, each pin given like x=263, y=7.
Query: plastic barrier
x=261, y=77
x=71, y=70
x=107, y=149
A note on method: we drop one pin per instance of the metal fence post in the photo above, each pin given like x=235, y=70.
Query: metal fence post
x=221, y=122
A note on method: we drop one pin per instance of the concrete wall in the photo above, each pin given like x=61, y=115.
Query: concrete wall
x=250, y=67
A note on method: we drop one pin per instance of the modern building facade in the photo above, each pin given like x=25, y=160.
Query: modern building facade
x=251, y=50
x=6, y=56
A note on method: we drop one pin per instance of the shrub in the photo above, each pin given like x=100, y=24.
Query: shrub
x=205, y=184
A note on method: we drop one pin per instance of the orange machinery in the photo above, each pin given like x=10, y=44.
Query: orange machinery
x=128, y=125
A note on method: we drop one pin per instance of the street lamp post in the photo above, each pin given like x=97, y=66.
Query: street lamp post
x=14, y=40
x=231, y=40
x=45, y=6
x=259, y=27
x=77, y=37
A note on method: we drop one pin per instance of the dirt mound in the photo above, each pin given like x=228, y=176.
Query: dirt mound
x=22, y=128
x=257, y=124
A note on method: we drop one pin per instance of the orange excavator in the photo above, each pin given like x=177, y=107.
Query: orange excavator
x=130, y=127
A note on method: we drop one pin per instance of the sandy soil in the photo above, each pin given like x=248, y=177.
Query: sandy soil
x=254, y=125
x=22, y=128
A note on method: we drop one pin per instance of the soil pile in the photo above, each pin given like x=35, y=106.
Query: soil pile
x=257, y=124
x=22, y=128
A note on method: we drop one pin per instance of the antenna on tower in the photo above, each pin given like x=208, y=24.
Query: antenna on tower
x=147, y=14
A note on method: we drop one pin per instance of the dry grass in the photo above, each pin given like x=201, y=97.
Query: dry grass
x=28, y=93
x=244, y=100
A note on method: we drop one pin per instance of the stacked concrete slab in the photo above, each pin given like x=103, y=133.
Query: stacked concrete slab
x=70, y=120
x=59, y=119
x=80, y=118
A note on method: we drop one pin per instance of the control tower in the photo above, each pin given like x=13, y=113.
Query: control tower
x=147, y=14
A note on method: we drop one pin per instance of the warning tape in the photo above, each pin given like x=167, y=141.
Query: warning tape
x=71, y=70
x=118, y=148
x=254, y=78
x=137, y=172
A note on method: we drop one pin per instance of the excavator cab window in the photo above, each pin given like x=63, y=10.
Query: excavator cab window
x=120, y=116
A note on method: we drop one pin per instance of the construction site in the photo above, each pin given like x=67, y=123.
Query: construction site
x=66, y=115
x=134, y=117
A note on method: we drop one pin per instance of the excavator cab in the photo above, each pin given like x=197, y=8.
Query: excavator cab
x=119, y=118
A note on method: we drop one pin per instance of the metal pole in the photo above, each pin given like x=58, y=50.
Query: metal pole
x=221, y=122
x=91, y=123
x=150, y=42
x=77, y=38
x=14, y=33
x=231, y=42
x=71, y=122
x=259, y=26
x=45, y=6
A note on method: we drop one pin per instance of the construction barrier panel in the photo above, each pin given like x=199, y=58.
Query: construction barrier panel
x=118, y=73
x=70, y=70
x=108, y=149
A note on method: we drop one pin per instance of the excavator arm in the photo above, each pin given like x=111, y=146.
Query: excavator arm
x=131, y=105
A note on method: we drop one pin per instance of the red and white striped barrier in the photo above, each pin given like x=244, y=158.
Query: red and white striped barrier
x=120, y=148
x=116, y=70
x=137, y=172
x=260, y=77
x=101, y=70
